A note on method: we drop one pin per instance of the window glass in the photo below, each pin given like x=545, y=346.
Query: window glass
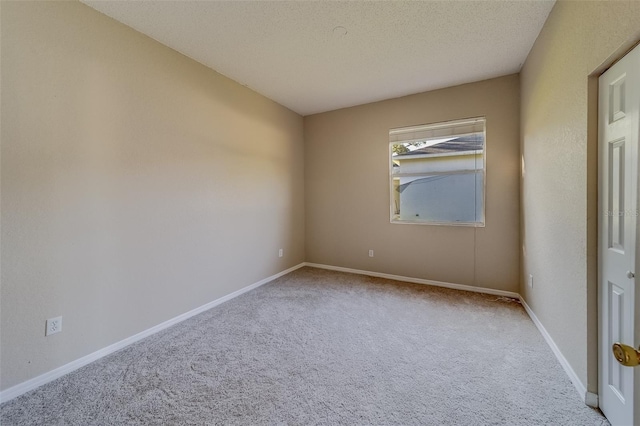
x=437, y=173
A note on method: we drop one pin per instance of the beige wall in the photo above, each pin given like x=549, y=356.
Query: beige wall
x=136, y=185
x=347, y=190
x=559, y=138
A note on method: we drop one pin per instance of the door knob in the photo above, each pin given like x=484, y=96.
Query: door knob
x=630, y=274
x=626, y=355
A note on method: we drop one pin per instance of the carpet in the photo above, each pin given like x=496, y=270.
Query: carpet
x=318, y=347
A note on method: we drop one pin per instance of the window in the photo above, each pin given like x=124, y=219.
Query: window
x=437, y=173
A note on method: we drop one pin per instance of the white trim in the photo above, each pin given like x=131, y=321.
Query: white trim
x=591, y=399
x=588, y=398
x=49, y=376
x=418, y=280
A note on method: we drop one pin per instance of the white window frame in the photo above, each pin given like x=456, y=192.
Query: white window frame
x=435, y=130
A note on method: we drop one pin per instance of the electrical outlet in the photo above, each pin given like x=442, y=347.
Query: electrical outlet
x=280, y=253
x=370, y=253
x=54, y=325
x=530, y=280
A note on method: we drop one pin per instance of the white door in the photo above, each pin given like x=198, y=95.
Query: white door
x=619, y=104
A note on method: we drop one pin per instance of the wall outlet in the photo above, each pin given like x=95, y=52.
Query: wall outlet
x=280, y=253
x=370, y=253
x=530, y=280
x=54, y=325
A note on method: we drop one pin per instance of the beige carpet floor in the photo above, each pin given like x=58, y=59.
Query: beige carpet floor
x=325, y=348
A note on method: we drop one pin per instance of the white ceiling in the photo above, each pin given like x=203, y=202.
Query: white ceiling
x=297, y=52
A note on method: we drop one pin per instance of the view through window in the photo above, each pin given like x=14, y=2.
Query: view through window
x=437, y=173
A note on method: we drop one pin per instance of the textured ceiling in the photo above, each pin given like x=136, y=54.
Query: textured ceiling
x=315, y=56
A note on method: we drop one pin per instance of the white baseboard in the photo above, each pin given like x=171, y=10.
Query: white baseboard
x=47, y=377
x=591, y=399
x=588, y=398
x=503, y=293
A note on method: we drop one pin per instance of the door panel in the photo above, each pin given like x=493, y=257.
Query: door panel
x=616, y=308
x=616, y=195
